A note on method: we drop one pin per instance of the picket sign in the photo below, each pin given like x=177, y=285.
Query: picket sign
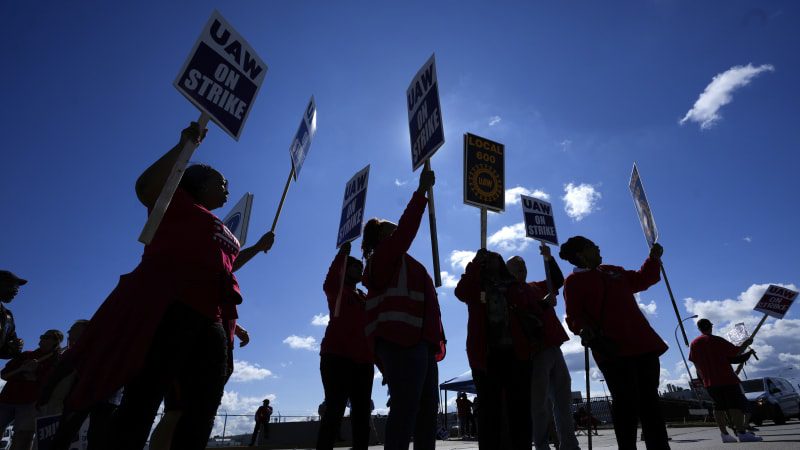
x=427, y=136
x=221, y=77
x=650, y=231
x=238, y=220
x=352, y=220
x=484, y=177
x=298, y=151
x=540, y=225
x=775, y=302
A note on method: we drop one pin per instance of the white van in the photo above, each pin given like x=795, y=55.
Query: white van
x=771, y=398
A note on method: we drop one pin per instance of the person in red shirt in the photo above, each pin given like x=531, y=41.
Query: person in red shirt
x=404, y=325
x=263, y=414
x=550, y=377
x=499, y=347
x=25, y=375
x=345, y=359
x=712, y=357
x=602, y=309
x=171, y=320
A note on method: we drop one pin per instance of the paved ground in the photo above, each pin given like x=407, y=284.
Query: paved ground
x=775, y=437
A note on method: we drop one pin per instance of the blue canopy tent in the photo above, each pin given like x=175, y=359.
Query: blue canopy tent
x=461, y=383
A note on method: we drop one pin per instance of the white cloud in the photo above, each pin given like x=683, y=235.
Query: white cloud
x=730, y=309
x=244, y=371
x=565, y=145
x=460, y=258
x=448, y=281
x=303, y=343
x=509, y=238
x=286, y=364
x=321, y=320
x=647, y=308
x=748, y=239
x=494, y=120
x=580, y=200
x=398, y=182
x=720, y=92
x=512, y=195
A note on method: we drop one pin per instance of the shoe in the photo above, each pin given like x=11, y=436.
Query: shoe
x=727, y=438
x=749, y=437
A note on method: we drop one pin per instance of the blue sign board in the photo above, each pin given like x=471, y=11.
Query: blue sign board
x=539, y=221
x=302, y=140
x=355, y=198
x=643, y=208
x=424, y=114
x=222, y=75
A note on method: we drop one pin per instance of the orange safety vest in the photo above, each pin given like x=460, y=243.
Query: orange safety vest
x=397, y=313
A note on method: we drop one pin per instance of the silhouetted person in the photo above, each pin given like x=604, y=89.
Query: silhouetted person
x=10, y=344
x=172, y=319
x=404, y=324
x=345, y=358
x=602, y=309
x=551, y=385
x=499, y=347
x=25, y=375
x=712, y=357
x=263, y=414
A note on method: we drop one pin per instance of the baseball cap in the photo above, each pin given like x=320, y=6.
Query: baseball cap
x=7, y=276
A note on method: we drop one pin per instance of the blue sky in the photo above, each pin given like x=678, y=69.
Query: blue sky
x=576, y=91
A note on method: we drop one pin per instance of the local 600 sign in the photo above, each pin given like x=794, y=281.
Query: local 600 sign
x=424, y=114
x=222, y=75
x=484, y=170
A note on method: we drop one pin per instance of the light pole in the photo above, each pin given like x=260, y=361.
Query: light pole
x=603, y=383
x=683, y=357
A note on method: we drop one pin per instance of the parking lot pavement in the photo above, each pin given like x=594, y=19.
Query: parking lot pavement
x=775, y=437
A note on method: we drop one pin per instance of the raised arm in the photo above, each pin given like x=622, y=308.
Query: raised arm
x=650, y=272
x=151, y=181
x=397, y=244
x=263, y=245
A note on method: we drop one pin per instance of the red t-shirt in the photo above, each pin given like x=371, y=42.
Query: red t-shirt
x=554, y=334
x=344, y=335
x=603, y=298
x=711, y=356
x=192, y=237
x=24, y=388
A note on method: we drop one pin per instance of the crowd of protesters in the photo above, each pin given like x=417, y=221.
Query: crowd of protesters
x=166, y=333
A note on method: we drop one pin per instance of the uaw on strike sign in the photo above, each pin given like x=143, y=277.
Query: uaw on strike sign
x=355, y=197
x=539, y=222
x=484, y=171
x=222, y=75
x=424, y=114
x=776, y=301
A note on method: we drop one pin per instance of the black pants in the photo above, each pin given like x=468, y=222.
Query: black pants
x=189, y=349
x=260, y=427
x=343, y=378
x=504, y=393
x=71, y=421
x=633, y=382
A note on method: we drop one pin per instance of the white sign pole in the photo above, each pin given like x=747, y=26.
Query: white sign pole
x=171, y=185
x=483, y=227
